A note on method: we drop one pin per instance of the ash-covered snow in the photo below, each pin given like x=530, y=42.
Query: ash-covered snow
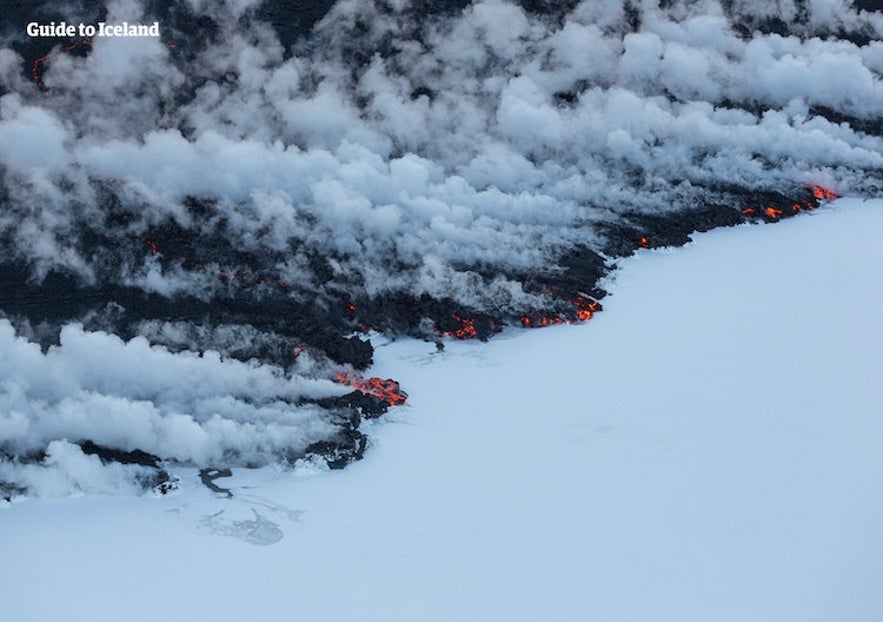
x=706, y=449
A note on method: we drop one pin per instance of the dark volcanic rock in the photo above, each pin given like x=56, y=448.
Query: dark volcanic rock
x=671, y=229
x=293, y=20
x=160, y=480
x=208, y=477
x=348, y=447
x=353, y=351
x=108, y=454
x=8, y=491
x=359, y=403
x=674, y=228
x=578, y=272
x=62, y=298
x=869, y=5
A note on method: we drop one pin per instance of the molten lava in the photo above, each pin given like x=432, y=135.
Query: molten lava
x=585, y=311
x=644, y=242
x=387, y=391
x=539, y=321
x=820, y=192
x=773, y=213
x=150, y=243
x=585, y=308
x=466, y=330
x=782, y=210
x=37, y=69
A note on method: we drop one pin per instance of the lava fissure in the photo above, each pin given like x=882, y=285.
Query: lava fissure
x=38, y=66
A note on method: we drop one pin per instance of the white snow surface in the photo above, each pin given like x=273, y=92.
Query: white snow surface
x=706, y=449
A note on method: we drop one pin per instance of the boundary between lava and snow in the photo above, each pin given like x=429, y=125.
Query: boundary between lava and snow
x=573, y=291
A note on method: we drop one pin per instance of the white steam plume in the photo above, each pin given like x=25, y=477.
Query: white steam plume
x=450, y=144
x=185, y=407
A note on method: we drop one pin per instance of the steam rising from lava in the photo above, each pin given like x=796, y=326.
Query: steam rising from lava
x=430, y=144
x=440, y=158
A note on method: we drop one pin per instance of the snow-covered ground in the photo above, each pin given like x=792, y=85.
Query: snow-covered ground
x=706, y=449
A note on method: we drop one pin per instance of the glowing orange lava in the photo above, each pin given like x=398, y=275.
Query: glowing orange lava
x=540, y=321
x=820, y=192
x=38, y=64
x=151, y=244
x=773, y=213
x=466, y=330
x=387, y=391
x=585, y=308
x=644, y=242
x=585, y=311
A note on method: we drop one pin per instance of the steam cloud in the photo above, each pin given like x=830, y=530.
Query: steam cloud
x=189, y=408
x=429, y=153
